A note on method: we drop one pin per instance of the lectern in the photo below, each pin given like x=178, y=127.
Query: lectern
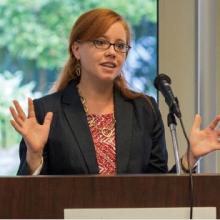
x=48, y=196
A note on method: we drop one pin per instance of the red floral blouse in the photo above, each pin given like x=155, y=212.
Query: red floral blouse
x=102, y=128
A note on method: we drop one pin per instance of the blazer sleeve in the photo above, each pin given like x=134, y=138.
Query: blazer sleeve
x=158, y=156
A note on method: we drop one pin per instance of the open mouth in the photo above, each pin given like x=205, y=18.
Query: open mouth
x=108, y=65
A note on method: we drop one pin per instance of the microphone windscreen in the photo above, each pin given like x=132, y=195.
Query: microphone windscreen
x=161, y=77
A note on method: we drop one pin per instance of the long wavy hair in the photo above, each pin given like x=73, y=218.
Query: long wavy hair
x=91, y=25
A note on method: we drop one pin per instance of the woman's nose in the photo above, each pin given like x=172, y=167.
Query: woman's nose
x=110, y=51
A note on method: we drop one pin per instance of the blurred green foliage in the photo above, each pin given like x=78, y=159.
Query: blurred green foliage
x=34, y=33
x=34, y=39
x=10, y=84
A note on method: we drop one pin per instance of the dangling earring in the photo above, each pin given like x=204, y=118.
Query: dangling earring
x=78, y=69
x=120, y=75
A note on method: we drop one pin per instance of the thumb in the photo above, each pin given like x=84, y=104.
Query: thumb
x=197, y=122
x=48, y=119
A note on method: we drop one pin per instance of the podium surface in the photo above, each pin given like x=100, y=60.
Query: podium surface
x=48, y=196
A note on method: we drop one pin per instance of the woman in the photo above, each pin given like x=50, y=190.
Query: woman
x=92, y=123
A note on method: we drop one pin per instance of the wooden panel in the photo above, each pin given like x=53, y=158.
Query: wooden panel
x=47, y=197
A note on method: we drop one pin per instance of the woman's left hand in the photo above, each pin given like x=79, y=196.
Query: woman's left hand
x=204, y=141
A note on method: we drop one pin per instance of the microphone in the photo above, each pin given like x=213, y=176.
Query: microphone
x=162, y=83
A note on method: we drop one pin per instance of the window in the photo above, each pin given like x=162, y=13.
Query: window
x=33, y=49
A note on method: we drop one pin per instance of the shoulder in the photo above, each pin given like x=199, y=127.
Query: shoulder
x=147, y=105
x=143, y=104
x=48, y=101
x=55, y=99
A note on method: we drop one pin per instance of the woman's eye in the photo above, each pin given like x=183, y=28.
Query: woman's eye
x=100, y=42
x=120, y=45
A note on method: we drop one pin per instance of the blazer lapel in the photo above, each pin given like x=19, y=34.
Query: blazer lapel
x=77, y=120
x=123, y=116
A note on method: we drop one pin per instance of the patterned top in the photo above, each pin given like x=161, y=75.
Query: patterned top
x=102, y=128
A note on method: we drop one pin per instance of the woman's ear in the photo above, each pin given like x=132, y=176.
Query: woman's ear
x=75, y=50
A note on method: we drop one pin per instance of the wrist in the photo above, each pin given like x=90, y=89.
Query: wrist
x=33, y=160
x=187, y=166
x=189, y=157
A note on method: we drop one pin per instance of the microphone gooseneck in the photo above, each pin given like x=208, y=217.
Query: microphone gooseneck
x=162, y=83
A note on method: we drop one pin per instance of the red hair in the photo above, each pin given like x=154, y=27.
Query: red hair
x=89, y=26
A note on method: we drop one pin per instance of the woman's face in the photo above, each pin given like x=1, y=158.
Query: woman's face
x=102, y=64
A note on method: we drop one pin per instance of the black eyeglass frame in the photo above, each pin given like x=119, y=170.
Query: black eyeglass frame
x=108, y=45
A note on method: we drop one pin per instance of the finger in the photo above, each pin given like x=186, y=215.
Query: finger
x=15, y=116
x=197, y=122
x=48, y=119
x=19, y=110
x=13, y=112
x=217, y=146
x=215, y=122
x=16, y=126
x=31, y=111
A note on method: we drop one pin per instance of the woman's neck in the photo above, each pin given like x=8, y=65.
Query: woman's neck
x=98, y=98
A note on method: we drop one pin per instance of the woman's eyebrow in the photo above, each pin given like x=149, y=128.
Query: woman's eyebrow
x=118, y=39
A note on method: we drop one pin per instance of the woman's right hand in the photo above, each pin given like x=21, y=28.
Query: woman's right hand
x=34, y=134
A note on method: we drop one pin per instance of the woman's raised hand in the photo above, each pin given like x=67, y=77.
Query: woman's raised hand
x=34, y=134
x=206, y=140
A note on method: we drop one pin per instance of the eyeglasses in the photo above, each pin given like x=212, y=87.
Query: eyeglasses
x=105, y=44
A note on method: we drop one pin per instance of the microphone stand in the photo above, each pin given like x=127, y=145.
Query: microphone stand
x=171, y=121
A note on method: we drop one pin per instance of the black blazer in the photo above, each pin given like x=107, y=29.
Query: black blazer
x=140, y=141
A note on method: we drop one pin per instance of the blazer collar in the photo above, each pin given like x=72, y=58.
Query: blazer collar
x=77, y=120
x=123, y=135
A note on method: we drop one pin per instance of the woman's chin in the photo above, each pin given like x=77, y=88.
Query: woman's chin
x=107, y=77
